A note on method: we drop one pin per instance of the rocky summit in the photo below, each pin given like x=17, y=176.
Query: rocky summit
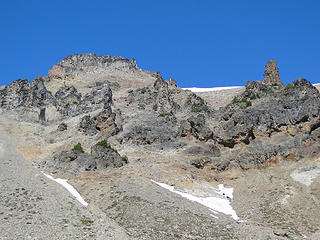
x=153, y=161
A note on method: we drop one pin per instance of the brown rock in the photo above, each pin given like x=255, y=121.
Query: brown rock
x=271, y=74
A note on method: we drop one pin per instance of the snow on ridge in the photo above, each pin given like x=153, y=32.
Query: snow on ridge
x=196, y=89
x=215, y=204
x=69, y=187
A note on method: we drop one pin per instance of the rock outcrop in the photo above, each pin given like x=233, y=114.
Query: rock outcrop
x=104, y=121
x=24, y=94
x=102, y=156
x=88, y=68
x=271, y=74
x=162, y=116
x=254, y=122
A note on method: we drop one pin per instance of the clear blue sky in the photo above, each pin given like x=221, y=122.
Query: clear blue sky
x=197, y=42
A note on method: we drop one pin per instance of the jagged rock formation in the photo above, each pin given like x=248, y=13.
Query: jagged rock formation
x=271, y=74
x=33, y=99
x=253, y=124
x=168, y=135
x=104, y=121
x=88, y=68
x=161, y=115
x=23, y=94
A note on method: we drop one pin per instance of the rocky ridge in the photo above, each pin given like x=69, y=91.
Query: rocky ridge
x=97, y=125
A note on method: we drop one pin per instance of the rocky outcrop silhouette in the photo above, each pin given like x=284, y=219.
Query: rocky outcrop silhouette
x=90, y=68
x=271, y=74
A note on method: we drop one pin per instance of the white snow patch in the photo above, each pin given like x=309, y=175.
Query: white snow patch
x=228, y=192
x=215, y=204
x=195, y=89
x=306, y=175
x=69, y=187
x=214, y=216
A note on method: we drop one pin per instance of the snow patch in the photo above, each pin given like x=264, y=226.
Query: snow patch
x=228, y=192
x=195, y=89
x=69, y=187
x=215, y=204
x=306, y=175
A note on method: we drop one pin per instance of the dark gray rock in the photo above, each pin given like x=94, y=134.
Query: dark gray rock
x=152, y=130
x=42, y=115
x=200, y=162
x=62, y=127
x=106, y=157
x=104, y=121
x=88, y=126
x=206, y=149
x=75, y=161
x=26, y=95
x=270, y=110
x=196, y=126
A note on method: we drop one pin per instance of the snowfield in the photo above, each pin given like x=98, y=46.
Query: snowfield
x=69, y=187
x=215, y=204
x=195, y=89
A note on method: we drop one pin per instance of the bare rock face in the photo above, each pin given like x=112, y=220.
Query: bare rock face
x=104, y=121
x=22, y=93
x=271, y=74
x=86, y=68
x=268, y=123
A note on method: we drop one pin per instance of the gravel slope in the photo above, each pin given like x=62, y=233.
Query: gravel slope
x=34, y=207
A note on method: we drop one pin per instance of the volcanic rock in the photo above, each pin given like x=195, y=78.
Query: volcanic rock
x=271, y=74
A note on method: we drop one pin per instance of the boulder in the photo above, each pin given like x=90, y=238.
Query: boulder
x=106, y=157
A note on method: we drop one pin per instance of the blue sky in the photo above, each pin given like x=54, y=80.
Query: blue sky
x=197, y=42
